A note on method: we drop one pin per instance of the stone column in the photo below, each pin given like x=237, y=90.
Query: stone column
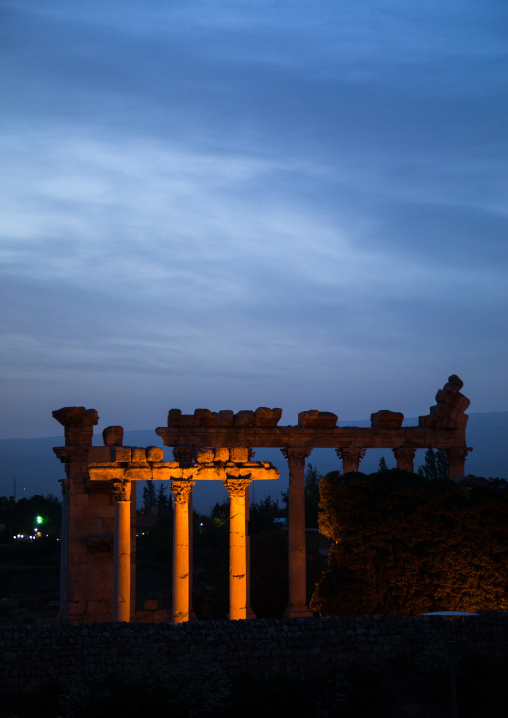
x=238, y=568
x=350, y=458
x=456, y=461
x=122, y=551
x=404, y=458
x=181, y=491
x=296, y=527
x=184, y=455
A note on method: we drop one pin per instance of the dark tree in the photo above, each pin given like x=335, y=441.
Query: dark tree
x=263, y=514
x=149, y=498
x=382, y=465
x=163, y=503
x=405, y=544
x=435, y=466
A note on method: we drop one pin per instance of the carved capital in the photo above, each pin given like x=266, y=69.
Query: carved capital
x=296, y=456
x=351, y=458
x=237, y=487
x=404, y=458
x=121, y=489
x=181, y=491
x=183, y=454
x=457, y=454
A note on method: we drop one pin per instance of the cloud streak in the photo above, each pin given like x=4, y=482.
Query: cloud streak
x=251, y=203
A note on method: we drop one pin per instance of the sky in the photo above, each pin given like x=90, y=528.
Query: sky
x=226, y=205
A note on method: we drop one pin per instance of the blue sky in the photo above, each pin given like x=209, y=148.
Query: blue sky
x=239, y=204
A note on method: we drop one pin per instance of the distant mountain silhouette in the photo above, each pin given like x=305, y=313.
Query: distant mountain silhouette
x=36, y=470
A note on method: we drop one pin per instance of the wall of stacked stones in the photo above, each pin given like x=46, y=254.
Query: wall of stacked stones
x=33, y=655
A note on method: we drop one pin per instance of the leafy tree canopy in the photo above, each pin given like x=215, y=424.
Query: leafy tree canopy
x=403, y=543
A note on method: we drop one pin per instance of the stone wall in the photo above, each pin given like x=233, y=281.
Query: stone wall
x=32, y=655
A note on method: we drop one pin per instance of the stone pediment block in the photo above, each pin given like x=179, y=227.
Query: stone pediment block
x=244, y=418
x=154, y=453
x=121, y=453
x=317, y=419
x=385, y=419
x=448, y=413
x=76, y=416
x=267, y=417
x=113, y=436
x=100, y=455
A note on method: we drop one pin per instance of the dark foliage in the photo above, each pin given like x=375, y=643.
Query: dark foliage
x=19, y=517
x=406, y=544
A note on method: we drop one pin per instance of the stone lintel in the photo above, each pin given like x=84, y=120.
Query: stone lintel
x=318, y=438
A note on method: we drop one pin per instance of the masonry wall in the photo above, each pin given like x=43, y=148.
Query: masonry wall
x=33, y=655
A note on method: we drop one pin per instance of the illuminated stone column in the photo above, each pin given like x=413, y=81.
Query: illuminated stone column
x=296, y=527
x=404, y=458
x=456, y=461
x=122, y=551
x=350, y=458
x=181, y=491
x=238, y=567
x=184, y=455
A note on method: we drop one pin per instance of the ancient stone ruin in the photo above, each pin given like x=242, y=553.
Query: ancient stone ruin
x=99, y=506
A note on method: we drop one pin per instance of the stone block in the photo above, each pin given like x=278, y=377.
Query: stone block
x=76, y=608
x=386, y=419
x=76, y=416
x=267, y=417
x=163, y=472
x=99, y=455
x=154, y=453
x=121, y=453
x=151, y=605
x=113, y=436
x=226, y=417
x=205, y=456
x=244, y=418
x=205, y=417
x=138, y=455
x=221, y=454
x=314, y=419
x=239, y=454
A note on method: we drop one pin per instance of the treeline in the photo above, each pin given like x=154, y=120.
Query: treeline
x=27, y=516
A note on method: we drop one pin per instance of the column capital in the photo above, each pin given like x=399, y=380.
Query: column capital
x=351, y=452
x=404, y=458
x=296, y=455
x=351, y=458
x=181, y=491
x=458, y=453
x=236, y=487
x=121, y=489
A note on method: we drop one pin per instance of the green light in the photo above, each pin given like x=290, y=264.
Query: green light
x=39, y=520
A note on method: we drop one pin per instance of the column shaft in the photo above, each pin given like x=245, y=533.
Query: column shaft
x=456, y=461
x=181, y=491
x=238, y=568
x=296, y=528
x=122, y=552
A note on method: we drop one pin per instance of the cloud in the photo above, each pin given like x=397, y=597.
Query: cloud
x=222, y=201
